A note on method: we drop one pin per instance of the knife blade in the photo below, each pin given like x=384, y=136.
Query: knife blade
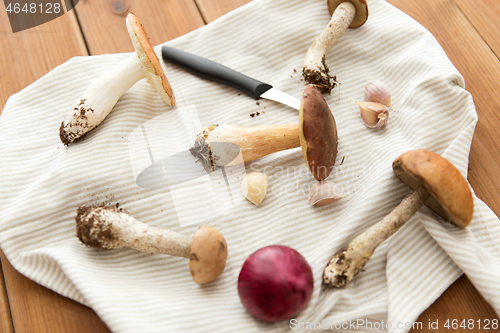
x=183, y=167
x=211, y=70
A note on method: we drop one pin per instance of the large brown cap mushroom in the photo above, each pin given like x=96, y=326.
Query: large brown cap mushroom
x=318, y=133
x=208, y=254
x=451, y=197
x=435, y=182
x=149, y=61
x=361, y=11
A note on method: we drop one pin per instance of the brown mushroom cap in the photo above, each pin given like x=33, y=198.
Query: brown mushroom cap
x=208, y=254
x=361, y=11
x=317, y=133
x=149, y=61
x=451, y=197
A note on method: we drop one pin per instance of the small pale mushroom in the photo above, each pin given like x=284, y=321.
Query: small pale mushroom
x=345, y=13
x=316, y=132
x=102, y=94
x=435, y=182
x=109, y=228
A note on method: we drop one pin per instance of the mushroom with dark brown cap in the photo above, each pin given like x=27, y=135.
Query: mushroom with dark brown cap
x=101, y=96
x=109, y=228
x=345, y=13
x=435, y=182
x=316, y=132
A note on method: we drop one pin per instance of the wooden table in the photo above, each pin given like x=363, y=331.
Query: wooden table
x=466, y=29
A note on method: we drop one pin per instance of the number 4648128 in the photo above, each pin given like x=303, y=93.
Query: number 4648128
x=484, y=324
x=33, y=8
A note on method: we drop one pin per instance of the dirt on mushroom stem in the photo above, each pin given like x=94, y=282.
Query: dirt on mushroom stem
x=89, y=230
x=202, y=151
x=73, y=131
x=320, y=77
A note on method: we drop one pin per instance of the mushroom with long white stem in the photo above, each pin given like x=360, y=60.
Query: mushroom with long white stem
x=109, y=228
x=345, y=13
x=435, y=182
x=316, y=133
x=102, y=94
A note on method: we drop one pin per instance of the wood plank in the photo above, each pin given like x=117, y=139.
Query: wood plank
x=38, y=309
x=105, y=30
x=480, y=68
x=213, y=9
x=458, y=295
x=28, y=55
x=24, y=57
x=484, y=16
x=35, y=308
x=6, y=318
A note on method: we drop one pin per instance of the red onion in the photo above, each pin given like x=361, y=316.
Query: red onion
x=275, y=283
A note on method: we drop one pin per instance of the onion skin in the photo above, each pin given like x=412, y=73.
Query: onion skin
x=275, y=283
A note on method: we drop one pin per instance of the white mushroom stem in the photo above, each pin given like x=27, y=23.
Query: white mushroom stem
x=253, y=142
x=109, y=228
x=315, y=70
x=345, y=265
x=100, y=98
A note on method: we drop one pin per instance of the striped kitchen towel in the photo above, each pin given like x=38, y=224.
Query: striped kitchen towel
x=43, y=182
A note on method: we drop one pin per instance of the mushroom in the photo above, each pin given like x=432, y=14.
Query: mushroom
x=109, y=228
x=101, y=96
x=316, y=132
x=345, y=13
x=435, y=182
x=212, y=150
x=324, y=192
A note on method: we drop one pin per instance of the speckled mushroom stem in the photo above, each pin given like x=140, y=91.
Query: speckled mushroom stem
x=315, y=70
x=99, y=99
x=254, y=142
x=346, y=264
x=109, y=228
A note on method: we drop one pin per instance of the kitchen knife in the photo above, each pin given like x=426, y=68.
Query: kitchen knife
x=211, y=70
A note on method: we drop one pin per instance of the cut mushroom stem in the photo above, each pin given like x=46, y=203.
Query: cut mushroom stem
x=253, y=142
x=109, y=228
x=435, y=182
x=101, y=96
x=345, y=14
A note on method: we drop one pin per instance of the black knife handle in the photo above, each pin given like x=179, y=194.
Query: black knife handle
x=213, y=71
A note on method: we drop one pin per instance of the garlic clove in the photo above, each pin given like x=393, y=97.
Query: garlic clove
x=377, y=92
x=373, y=114
x=254, y=187
x=324, y=192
